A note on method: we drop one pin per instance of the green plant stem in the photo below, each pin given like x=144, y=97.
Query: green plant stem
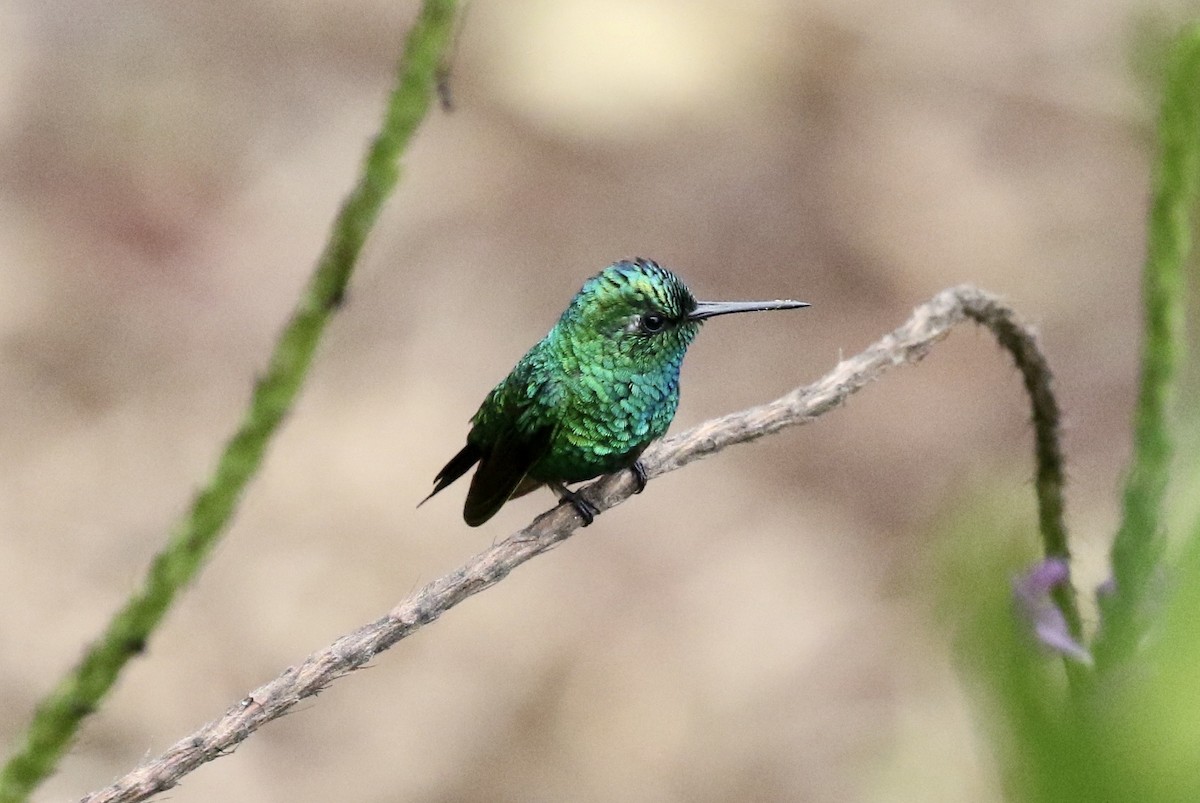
x=59, y=716
x=1018, y=340
x=1138, y=546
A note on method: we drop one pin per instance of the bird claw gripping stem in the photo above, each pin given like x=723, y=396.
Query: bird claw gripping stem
x=586, y=510
x=639, y=476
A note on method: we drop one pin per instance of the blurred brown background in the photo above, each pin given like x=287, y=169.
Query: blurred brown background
x=759, y=625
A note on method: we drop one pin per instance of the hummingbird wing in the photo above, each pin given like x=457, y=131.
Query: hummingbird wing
x=510, y=433
x=502, y=466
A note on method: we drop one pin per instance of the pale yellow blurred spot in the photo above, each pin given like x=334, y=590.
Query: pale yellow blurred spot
x=620, y=69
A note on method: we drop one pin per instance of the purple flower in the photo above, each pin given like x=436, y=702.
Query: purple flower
x=1031, y=593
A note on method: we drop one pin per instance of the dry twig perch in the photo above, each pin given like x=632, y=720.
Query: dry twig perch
x=929, y=323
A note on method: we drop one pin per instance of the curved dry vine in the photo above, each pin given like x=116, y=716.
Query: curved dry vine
x=929, y=323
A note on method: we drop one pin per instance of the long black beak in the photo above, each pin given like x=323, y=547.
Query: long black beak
x=708, y=309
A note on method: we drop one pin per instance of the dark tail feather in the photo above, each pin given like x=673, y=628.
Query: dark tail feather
x=459, y=464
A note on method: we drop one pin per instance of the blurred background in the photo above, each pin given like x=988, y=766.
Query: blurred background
x=767, y=624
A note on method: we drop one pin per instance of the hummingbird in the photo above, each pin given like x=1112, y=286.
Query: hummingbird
x=591, y=395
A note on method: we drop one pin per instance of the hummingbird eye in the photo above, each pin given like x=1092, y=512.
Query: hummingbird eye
x=653, y=322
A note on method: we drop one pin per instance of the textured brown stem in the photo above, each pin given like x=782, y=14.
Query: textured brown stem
x=929, y=323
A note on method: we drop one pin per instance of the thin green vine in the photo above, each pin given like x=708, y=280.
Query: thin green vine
x=1138, y=546
x=77, y=695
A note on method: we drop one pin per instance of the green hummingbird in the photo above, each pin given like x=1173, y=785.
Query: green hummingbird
x=591, y=395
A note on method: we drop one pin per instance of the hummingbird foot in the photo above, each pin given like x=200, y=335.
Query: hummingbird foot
x=586, y=510
x=639, y=476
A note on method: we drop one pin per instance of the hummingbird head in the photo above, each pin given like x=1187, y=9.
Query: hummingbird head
x=633, y=312
x=642, y=316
